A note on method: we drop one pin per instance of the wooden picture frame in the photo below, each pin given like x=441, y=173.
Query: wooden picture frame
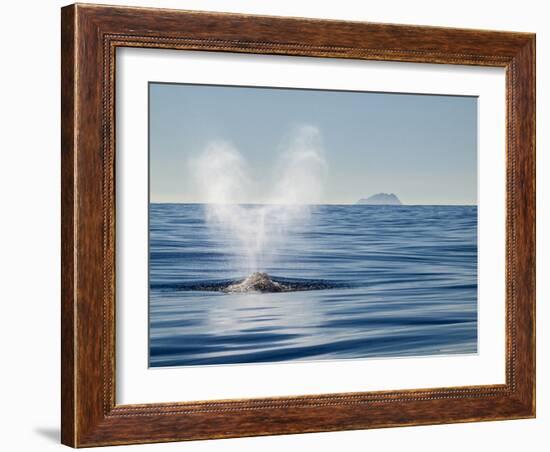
x=90, y=36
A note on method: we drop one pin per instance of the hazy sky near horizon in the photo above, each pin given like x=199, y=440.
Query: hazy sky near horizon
x=423, y=148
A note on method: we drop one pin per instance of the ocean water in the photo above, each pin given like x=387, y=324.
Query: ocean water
x=392, y=281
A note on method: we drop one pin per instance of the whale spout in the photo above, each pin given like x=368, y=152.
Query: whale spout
x=257, y=282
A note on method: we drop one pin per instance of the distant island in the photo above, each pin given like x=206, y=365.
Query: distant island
x=381, y=199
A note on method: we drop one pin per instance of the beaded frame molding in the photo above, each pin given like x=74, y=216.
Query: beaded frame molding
x=90, y=35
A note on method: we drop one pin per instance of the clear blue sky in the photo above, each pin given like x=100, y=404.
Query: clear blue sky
x=423, y=148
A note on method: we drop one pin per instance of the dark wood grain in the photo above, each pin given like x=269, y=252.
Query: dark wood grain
x=68, y=310
x=90, y=36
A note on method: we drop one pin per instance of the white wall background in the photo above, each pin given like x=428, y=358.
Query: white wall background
x=29, y=229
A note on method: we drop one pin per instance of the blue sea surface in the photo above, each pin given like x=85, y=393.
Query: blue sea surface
x=403, y=282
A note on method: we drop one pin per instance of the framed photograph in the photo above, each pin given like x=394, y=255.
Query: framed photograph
x=281, y=225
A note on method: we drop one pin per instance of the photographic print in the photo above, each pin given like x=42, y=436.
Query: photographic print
x=294, y=225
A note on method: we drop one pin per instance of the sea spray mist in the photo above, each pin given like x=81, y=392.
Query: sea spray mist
x=254, y=227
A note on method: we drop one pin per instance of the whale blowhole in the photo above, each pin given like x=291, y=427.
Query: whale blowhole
x=257, y=282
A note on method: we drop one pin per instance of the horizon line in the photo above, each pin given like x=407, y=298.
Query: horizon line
x=309, y=204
